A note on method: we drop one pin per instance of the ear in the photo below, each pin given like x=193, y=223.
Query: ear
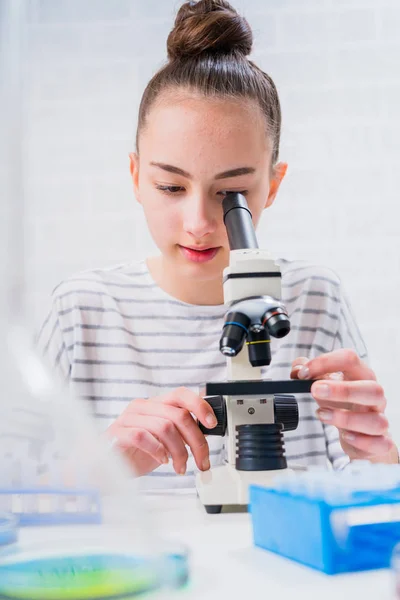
x=278, y=173
x=134, y=169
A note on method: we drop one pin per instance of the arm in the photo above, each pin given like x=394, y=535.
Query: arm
x=349, y=397
x=53, y=342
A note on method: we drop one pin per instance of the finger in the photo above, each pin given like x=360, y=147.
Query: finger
x=193, y=437
x=298, y=363
x=368, y=445
x=182, y=420
x=345, y=360
x=166, y=432
x=370, y=423
x=338, y=376
x=134, y=437
x=363, y=393
x=185, y=398
x=335, y=405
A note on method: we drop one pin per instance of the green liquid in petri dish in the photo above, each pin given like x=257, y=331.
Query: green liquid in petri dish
x=89, y=577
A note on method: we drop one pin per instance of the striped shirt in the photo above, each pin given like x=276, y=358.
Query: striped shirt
x=114, y=335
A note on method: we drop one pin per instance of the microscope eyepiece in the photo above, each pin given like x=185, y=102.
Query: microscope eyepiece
x=277, y=322
x=234, y=333
x=238, y=222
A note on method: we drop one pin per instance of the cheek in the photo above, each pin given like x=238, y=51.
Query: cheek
x=257, y=204
x=163, y=218
x=256, y=212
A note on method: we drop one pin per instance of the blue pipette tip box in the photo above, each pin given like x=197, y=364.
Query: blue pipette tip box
x=331, y=536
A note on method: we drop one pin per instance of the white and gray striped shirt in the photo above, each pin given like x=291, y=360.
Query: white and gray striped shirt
x=115, y=336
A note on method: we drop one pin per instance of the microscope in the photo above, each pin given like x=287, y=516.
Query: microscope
x=252, y=413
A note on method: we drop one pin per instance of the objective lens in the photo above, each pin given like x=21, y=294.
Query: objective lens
x=277, y=322
x=227, y=351
x=234, y=333
x=259, y=346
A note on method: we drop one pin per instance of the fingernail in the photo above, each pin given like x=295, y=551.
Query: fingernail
x=321, y=390
x=337, y=376
x=304, y=373
x=164, y=459
x=348, y=436
x=211, y=420
x=206, y=464
x=182, y=470
x=325, y=415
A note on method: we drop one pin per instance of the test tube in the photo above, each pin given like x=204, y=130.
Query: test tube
x=6, y=469
x=395, y=567
x=58, y=500
x=28, y=478
x=6, y=478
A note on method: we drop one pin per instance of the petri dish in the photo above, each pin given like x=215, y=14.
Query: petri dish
x=68, y=572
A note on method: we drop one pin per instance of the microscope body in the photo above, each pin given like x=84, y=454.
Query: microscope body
x=247, y=409
x=252, y=413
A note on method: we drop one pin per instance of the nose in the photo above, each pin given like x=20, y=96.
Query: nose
x=200, y=217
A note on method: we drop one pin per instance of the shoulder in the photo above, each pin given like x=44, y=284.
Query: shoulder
x=312, y=294
x=298, y=275
x=95, y=286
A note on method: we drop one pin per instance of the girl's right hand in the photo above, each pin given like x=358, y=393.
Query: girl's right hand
x=149, y=431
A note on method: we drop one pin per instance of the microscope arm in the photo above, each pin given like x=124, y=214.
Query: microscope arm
x=252, y=413
x=251, y=281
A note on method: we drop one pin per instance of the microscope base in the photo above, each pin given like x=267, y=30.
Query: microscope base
x=224, y=485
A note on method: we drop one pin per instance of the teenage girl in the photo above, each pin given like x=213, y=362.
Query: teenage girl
x=137, y=340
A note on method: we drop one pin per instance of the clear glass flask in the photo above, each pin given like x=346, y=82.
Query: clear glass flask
x=81, y=530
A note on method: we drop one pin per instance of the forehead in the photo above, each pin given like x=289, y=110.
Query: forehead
x=192, y=128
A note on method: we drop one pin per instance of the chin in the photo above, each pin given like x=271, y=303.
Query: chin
x=201, y=272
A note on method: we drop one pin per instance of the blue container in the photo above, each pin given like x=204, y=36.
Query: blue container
x=331, y=536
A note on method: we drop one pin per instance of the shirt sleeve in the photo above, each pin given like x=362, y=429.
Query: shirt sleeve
x=52, y=345
x=347, y=335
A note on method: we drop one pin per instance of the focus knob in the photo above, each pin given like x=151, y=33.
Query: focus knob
x=286, y=411
x=218, y=405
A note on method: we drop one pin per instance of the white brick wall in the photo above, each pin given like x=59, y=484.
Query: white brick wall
x=337, y=67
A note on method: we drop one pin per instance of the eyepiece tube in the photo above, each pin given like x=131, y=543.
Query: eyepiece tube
x=238, y=222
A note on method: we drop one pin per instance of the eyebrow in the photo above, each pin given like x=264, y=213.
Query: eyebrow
x=224, y=175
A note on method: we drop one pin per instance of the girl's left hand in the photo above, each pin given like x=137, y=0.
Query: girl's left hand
x=350, y=398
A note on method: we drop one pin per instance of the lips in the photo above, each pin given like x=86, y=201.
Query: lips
x=198, y=255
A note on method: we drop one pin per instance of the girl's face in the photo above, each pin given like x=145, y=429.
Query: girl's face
x=192, y=150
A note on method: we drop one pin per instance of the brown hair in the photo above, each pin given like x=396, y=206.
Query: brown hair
x=207, y=50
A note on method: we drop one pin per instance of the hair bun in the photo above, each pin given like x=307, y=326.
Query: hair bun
x=209, y=26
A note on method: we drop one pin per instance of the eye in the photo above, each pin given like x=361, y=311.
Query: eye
x=224, y=192
x=170, y=189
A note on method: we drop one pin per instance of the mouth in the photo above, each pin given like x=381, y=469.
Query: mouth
x=199, y=254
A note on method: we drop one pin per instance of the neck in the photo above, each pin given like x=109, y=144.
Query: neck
x=188, y=290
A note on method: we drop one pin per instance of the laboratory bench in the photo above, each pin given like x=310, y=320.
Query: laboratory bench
x=226, y=565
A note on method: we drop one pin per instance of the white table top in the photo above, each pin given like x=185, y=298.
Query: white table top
x=225, y=565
